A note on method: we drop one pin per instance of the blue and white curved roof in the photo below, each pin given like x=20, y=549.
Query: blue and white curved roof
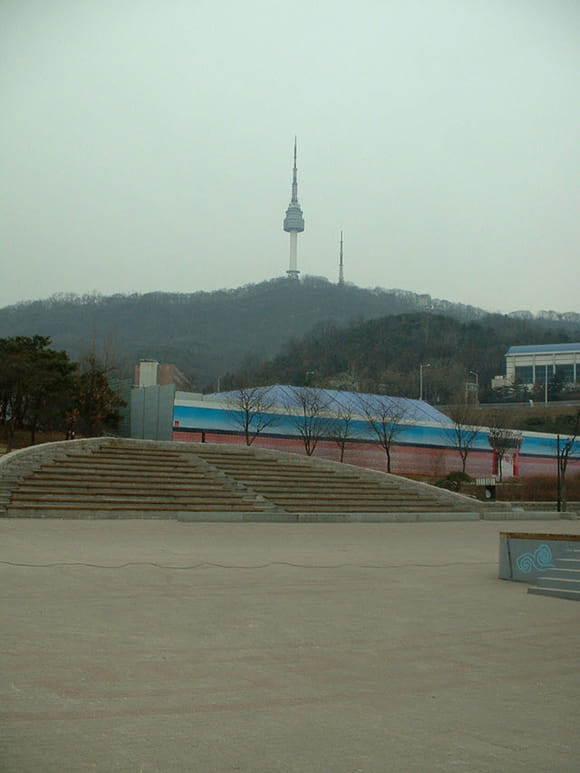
x=544, y=349
x=333, y=400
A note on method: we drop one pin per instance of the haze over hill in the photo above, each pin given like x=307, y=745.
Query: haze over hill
x=210, y=334
x=148, y=145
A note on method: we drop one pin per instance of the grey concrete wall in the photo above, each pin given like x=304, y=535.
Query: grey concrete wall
x=526, y=557
x=152, y=412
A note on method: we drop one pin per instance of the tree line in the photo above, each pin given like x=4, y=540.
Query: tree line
x=209, y=334
x=42, y=389
x=389, y=354
x=317, y=414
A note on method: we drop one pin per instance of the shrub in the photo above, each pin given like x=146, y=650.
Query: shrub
x=453, y=481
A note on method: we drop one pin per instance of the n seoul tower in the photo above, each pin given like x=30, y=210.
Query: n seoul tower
x=294, y=222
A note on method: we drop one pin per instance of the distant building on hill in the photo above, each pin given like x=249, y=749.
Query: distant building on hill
x=152, y=373
x=531, y=365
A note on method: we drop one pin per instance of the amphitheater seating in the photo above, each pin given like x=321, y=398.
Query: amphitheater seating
x=123, y=478
x=298, y=485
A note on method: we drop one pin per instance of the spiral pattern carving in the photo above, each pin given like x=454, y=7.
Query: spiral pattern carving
x=540, y=560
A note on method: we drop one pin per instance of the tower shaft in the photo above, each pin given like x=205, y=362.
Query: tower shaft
x=293, y=268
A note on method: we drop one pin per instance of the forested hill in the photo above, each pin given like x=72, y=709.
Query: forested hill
x=205, y=334
x=385, y=355
x=209, y=334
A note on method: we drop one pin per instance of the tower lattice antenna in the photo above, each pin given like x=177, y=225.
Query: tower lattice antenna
x=341, y=264
x=294, y=222
x=295, y=178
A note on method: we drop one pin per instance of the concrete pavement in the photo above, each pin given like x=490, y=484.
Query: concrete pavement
x=159, y=646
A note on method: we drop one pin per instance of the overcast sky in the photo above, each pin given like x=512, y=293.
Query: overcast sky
x=147, y=145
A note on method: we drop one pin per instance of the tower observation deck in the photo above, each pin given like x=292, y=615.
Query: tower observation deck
x=294, y=222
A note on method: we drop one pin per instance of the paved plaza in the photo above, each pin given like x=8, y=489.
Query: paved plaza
x=158, y=646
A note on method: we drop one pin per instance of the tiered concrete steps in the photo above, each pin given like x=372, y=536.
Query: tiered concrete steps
x=112, y=478
x=125, y=481
x=562, y=582
x=300, y=485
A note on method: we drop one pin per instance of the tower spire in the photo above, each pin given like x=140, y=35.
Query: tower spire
x=294, y=222
x=341, y=265
x=295, y=178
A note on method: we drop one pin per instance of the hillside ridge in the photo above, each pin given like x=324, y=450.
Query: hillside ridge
x=207, y=334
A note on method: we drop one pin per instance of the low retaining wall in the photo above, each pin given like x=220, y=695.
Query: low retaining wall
x=230, y=517
x=525, y=557
x=402, y=517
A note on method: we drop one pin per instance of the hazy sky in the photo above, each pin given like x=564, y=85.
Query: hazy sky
x=147, y=145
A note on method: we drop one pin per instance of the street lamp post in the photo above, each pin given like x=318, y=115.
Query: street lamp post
x=473, y=373
x=426, y=365
x=559, y=503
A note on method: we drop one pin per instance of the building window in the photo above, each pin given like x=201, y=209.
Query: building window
x=542, y=371
x=565, y=373
x=525, y=375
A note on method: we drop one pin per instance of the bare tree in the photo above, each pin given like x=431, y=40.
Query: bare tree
x=464, y=430
x=341, y=428
x=306, y=406
x=502, y=439
x=567, y=447
x=251, y=409
x=384, y=416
